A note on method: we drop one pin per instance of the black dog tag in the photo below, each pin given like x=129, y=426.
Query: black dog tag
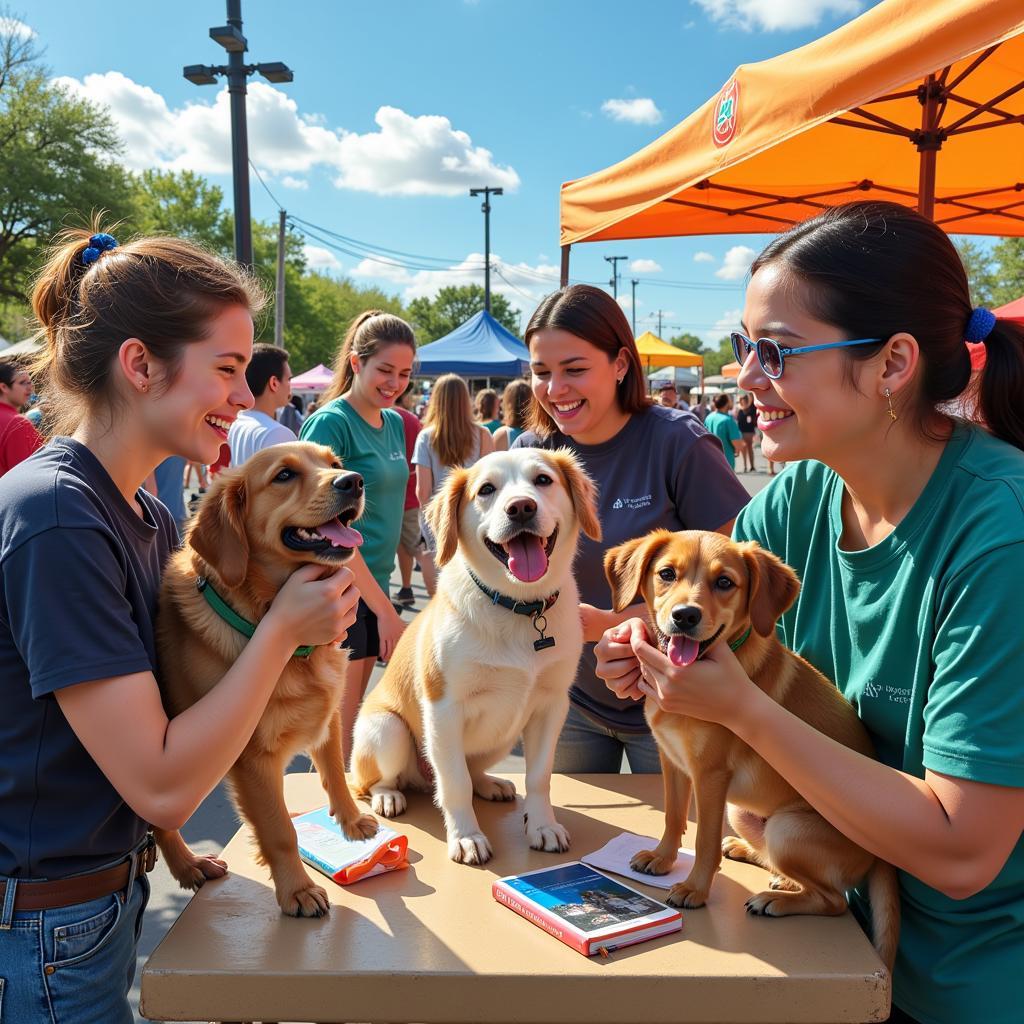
x=543, y=643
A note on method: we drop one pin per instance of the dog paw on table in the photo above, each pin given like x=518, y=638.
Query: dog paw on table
x=650, y=862
x=363, y=827
x=548, y=836
x=302, y=898
x=488, y=787
x=474, y=848
x=682, y=894
x=388, y=803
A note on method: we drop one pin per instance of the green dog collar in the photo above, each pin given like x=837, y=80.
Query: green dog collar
x=233, y=619
x=737, y=644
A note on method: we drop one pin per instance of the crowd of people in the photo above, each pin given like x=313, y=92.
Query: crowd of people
x=905, y=525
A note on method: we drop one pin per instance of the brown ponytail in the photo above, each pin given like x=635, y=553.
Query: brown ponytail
x=1001, y=388
x=366, y=335
x=163, y=291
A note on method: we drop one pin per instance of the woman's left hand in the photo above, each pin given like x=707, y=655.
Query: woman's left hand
x=714, y=689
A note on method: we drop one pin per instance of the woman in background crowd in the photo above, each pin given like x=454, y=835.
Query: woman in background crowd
x=515, y=407
x=450, y=437
x=18, y=438
x=357, y=419
x=654, y=467
x=487, y=409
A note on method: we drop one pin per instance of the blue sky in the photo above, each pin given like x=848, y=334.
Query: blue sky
x=398, y=108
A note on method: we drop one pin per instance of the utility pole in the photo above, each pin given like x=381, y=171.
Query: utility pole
x=236, y=71
x=659, y=323
x=486, y=207
x=614, y=282
x=634, y=282
x=279, y=295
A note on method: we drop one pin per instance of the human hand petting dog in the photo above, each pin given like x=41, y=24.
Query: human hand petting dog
x=389, y=629
x=712, y=689
x=316, y=605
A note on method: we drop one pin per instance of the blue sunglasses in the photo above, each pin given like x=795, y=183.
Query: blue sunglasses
x=771, y=356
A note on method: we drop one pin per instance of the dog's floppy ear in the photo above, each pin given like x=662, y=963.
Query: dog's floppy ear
x=218, y=533
x=582, y=490
x=626, y=566
x=773, y=587
x=443, y=515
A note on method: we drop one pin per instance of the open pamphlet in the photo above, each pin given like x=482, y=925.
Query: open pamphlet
x=585, y=909
x=322, y=845
x=616, y=854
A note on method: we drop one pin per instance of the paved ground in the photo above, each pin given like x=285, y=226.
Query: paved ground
x=214, y=823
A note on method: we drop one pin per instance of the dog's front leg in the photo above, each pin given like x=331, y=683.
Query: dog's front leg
x=712, y=786
x=446, y=751
x=329, y=764
x=540, y=736
x=659, y=861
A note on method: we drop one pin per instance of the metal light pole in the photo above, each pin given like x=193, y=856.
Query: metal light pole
x=486, y=207
x=614, y=282
x=236, y=71
x=282, y=229
x=634, y=282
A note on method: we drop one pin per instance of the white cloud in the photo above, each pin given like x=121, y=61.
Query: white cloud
x=11, y=27
x=703, y=257
x=413, y=156
x=407, y=156
x=300, y=184
x=777, y=15
x=522, y=284
x=727, y=322
x=736, y=263
x=638, y=111
x=320, y=259
x=645, y=266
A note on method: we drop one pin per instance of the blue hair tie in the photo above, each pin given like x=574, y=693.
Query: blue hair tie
x=98, y=244
x=979, y=327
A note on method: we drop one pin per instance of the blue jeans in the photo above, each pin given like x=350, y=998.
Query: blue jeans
x=72, y=965
x=586, y=745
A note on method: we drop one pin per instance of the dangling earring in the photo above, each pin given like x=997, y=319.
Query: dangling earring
x=888, y=398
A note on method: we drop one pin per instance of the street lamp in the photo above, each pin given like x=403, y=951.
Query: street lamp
x=236, y=71
x=486, y=207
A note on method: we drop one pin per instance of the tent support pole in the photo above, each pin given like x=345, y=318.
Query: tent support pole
x=929, y=141
x=564, y=277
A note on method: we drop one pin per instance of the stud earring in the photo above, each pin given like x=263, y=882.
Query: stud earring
x=888, y=398
x=143, y=386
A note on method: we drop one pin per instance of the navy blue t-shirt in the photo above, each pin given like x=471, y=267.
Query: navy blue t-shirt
x=662, y=470
x=79, y=580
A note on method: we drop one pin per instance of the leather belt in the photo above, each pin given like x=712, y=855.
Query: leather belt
x=66, y=892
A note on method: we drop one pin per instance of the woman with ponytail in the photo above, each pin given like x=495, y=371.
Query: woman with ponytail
x=906, y=528
x=358, y=420
x=146, y=347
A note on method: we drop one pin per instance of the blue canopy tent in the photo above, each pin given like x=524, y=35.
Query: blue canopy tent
x=480, y=347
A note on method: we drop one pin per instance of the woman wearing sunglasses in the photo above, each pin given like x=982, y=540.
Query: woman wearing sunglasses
x=906, y=527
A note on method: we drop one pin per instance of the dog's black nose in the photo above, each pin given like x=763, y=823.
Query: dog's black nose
x=348, y=483
x=686, y=616
x=519, y=510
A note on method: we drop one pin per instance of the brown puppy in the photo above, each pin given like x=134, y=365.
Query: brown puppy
x=701, y=589
x=289, y=505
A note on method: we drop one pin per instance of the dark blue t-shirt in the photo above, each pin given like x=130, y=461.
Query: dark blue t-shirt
x=661, y=470
x=79, y=580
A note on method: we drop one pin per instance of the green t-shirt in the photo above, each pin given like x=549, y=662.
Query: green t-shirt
x=922, y=633
x=378, y=453
x=727, y=430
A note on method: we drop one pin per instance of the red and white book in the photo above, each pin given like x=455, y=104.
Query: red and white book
x=586, y=909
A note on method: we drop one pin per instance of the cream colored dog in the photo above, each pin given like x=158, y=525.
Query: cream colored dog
x=472, y=673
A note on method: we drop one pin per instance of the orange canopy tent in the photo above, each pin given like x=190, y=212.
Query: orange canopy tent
x=916, y=101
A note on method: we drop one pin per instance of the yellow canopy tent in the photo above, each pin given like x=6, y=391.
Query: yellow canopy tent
x=916, y=101
x=655, y=352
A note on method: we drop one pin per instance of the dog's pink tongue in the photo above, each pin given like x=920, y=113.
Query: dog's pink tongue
x=682, y=650
x=341, y=536
x=527, y=559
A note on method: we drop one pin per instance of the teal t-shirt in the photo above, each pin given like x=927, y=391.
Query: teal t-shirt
x=379, y=455
x=922, y=633
x=727, y=430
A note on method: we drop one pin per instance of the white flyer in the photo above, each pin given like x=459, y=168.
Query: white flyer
x=616, y=854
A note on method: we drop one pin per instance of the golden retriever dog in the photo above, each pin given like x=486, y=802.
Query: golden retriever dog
x=701, y=589
x=472, y=672
x=287, y=506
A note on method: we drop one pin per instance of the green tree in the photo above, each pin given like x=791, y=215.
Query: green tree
x=981, y=271
x=687, y=342
x=716, y=358
x=59, y=162
x=454, y=305
x=184, y=205
x=1008, y=283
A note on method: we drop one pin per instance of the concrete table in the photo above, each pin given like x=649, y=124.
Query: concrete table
x=430, y=944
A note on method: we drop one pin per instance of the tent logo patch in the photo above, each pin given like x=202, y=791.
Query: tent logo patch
x=727, y=114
